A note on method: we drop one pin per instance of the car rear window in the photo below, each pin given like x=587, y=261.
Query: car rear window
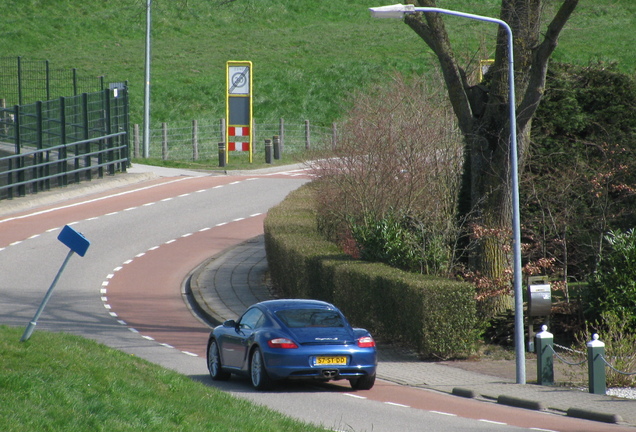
x=299, y=318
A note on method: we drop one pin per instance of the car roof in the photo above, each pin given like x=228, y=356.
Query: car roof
x=276, y=305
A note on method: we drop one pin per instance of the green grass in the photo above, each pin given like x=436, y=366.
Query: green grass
x=238, y=161
x=64, y=382
x=309, y=56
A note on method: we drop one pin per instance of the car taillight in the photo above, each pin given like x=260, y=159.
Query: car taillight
x=281, y=343
x=366, y=342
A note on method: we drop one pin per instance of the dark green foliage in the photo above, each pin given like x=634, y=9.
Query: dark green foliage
x=434, y=315
x=612, y=289
x=401, y=242
x=580, y=179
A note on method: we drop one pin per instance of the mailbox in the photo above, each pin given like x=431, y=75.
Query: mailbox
x=539, y=296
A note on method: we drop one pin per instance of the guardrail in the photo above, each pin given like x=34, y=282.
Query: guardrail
x=63, y=164
x=595, y=359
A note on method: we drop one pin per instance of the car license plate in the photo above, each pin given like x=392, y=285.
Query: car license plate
x=331, y=360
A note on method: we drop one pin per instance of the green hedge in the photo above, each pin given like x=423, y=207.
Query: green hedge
x=435, y=316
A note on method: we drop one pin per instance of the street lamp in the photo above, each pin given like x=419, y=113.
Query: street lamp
x=146, y=143
x=398, y=11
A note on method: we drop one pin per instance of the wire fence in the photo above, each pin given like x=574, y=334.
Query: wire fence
x=26, y=81
x=199, y=140
x=63, y=120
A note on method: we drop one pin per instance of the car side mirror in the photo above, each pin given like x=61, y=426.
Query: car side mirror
x=230, y=323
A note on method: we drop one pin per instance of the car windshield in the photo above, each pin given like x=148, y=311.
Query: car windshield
x=299, y=318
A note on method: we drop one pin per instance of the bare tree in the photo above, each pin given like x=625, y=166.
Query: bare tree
x=398, y=151
x=483, y=117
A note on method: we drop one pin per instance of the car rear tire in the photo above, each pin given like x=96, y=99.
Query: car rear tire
x=258, y=374
x=363, y=383
x=214, y=363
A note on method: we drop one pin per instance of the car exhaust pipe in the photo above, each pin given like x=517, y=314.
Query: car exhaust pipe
x=330, y=373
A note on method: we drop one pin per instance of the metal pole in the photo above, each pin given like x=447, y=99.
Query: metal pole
x=396, y=10
x=147, y=86
x=31, y=326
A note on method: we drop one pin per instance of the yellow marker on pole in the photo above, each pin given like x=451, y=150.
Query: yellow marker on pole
x=238, y=108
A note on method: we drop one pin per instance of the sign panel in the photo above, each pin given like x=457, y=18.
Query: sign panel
x=74, y=240
x=239, y=80
x=238, y=111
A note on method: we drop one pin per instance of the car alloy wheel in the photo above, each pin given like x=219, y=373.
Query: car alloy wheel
x=260, y=379
x=214, y=363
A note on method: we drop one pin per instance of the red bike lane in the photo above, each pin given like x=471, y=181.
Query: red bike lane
x=146, y=293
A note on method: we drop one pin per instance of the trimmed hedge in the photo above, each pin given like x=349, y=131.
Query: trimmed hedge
x=435, y=316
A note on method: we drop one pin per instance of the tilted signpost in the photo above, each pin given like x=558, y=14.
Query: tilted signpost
x=78, y=244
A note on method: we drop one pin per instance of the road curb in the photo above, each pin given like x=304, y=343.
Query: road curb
x=195, y=296
x=521, y=403
x=464, y=392
x=593, y=415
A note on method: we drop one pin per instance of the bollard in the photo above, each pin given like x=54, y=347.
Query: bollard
x=221, y=154
x=596, y=365
x=276, y=145
x=544, y=341
x=268, y=151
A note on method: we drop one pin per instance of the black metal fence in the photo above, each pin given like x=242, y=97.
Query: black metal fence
x=61, y=141
x=26, y=81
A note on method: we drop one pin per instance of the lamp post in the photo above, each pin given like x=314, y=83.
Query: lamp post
x=398, y=11
x=146, y=143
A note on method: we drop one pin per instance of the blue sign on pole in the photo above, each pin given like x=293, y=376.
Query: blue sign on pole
x=78, y=244
x=73, y=240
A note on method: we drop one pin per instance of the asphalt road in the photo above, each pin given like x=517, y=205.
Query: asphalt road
x=127, y=293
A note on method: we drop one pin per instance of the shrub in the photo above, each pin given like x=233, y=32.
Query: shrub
x=390, y=184
x=433, y=315
x=612, y=289
x=579, y=181
x=619, y=339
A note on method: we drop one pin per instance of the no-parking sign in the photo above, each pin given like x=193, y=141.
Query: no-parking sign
x=238, y=132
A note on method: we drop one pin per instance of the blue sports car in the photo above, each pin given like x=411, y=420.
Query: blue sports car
x=295, y=339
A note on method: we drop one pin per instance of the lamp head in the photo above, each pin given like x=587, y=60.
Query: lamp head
x=396, y=11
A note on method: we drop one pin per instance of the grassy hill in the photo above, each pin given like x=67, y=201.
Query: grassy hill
x=56, y=382
x=308, y=55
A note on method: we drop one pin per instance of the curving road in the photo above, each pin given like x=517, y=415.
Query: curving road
x=127, y=293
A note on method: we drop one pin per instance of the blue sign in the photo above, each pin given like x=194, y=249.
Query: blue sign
x=74, y=240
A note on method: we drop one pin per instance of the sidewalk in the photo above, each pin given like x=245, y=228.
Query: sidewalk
x=225, y=285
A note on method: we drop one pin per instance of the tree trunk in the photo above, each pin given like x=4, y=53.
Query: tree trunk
x=483, y=117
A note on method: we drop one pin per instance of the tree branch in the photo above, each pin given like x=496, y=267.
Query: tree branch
x=430, y=27
x=542, y=53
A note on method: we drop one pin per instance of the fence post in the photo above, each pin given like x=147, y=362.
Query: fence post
x=3, y=104
x=195, y=140
x=596, y=365
x=307, y=136
x=136, y=140
x=85, y=126
x=75, y=82
x=334, y=136
x=62, y=152
x=19, y=80
x=281, y=133
x=164, y=141
x=223, y=140
x=544, y=341
x=268, y=151
x=47, y=73
x=222, y=154
x=276, y=146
